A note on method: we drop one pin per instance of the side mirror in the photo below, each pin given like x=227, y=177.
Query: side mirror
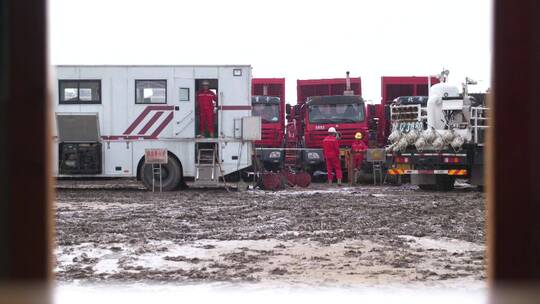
x=287, y=109
x=373, y=124
x=372, y=110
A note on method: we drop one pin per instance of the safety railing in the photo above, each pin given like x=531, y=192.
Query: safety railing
x=479, y=123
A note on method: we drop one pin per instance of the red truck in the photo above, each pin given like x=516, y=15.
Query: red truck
x=393, y=87
x=325, y=103
x=268, y=101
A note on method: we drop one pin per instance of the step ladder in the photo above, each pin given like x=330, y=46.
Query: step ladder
x=291, y=147
x=378, y=173
x=208, y=167
x=291, y=158
x=291, y=154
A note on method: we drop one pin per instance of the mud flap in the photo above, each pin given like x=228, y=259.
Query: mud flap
x=477, y=175
x=423, y=179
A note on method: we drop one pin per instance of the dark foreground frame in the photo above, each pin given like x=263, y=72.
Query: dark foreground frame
x=513, y=170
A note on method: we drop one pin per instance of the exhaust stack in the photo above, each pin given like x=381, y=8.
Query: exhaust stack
x=348, y=91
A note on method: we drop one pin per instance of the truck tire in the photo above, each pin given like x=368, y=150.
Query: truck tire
x=445, y=182
x=428, y=187
x=394, y=180
x=171, y=175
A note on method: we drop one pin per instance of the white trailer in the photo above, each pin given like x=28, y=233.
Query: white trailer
x=108, y=116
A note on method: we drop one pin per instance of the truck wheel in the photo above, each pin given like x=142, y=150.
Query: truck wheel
x=428, y=187
x=171, y=175
x=445, y=182
x=394, y=180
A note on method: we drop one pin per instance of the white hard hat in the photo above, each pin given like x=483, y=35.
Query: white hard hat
x=332, y=130
x=205, y=82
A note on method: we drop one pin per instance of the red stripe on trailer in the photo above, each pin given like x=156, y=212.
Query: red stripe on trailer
x=150, y=123
x=162, y=126
x=125, y=137
x=143, y=114
x=234, y=108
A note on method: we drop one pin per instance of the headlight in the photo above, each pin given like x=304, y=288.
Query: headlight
x=274, y=154
x=313, y=155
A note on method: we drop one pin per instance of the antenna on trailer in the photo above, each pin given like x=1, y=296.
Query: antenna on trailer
x=468, y=81
x=443, y=77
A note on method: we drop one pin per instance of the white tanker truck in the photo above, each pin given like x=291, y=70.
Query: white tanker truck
x=439, y=142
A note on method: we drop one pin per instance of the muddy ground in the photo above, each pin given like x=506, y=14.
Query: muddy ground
x=115, y=231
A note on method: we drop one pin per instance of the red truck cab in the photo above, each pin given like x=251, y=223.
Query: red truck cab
x=345, y=113
x=268, y=102
x=325, y=103
x=322, y=104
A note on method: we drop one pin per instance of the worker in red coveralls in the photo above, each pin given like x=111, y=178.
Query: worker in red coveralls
x=206, y=102
x=331, y=156
x=358, y=150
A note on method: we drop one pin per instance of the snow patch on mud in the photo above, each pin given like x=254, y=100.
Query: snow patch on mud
x=306, y=192
x=447, y=244
x=301, y=261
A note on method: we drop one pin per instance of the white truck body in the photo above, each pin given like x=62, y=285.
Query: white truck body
x=439, y=142
x=125, y=128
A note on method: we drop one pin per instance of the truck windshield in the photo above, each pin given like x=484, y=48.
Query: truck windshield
x=267, y=112
x=336, y=113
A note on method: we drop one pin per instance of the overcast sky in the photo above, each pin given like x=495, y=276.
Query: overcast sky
x=294, y=39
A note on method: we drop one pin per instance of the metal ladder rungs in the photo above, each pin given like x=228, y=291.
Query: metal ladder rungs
x=205, y=165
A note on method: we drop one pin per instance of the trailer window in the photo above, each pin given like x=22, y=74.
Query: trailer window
x=80, y=91
x=184, y=94
x=150, y=91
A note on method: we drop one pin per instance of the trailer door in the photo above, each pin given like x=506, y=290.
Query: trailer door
x=184, y=108
x=79, y=145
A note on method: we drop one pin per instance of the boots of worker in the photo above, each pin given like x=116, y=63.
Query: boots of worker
x=330, y=183
x=339, y=183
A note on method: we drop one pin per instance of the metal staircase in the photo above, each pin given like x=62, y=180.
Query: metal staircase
x=208, y=167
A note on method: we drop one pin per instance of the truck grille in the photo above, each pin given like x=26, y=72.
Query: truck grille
x=269, y=138
x=347, y=137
